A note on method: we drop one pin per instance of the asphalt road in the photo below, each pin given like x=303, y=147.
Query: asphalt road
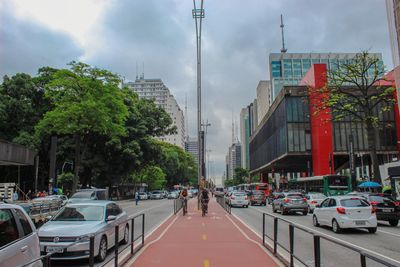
x=156, y=211
x=384, y=243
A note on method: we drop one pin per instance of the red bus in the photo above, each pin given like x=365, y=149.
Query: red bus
x=260, y=186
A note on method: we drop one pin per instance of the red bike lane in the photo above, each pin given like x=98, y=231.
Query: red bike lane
x=216, y=240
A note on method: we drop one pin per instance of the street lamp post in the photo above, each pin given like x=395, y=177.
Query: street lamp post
x=198, y=15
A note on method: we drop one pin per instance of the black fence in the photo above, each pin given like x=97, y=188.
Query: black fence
x=224, y=205
x=178, y=205
x=316, y=245
x=135, y=243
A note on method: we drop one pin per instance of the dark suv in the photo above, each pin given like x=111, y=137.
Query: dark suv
x=386, y=210
x=257, y=197
x=290, y=202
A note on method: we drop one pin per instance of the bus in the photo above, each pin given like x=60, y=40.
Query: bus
x=329, y=185
x=260, y=186
x=242, y=187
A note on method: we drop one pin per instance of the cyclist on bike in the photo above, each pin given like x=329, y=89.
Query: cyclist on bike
x=204, y=198
x=184, y=195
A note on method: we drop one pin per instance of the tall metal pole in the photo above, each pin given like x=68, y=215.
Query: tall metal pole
x=198, y=15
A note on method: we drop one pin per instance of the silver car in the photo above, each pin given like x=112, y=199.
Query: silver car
x=314, y=199
x=67, y=234
x=19, y=242
x=289, y=202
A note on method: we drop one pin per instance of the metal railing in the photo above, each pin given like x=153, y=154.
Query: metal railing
x=117, y=249
x=178, y=205
x=224, y=205
x=316, y=245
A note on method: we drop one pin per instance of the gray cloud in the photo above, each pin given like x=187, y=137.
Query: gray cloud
x=237, y=37
x=26, y=46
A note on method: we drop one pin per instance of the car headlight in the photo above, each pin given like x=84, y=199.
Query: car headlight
x=82, y=239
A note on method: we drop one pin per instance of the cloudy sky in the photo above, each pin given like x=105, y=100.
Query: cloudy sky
x=238, y=35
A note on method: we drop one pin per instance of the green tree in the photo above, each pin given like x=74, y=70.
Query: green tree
x=153, y=176
x=355, y=91
x=87, y=102
x=241, y=176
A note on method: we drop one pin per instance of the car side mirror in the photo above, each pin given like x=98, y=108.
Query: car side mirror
x=111, y=218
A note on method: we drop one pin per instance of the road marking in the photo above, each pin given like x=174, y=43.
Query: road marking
x=253, y=241
x=338, y=239
x=389, y=233
x=204, y=237
x=131, y=261
x=206, y=263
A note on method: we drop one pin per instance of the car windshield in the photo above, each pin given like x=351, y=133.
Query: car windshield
x=81, y=213
x=294, y=196
x=87, y=194
x=354, y=202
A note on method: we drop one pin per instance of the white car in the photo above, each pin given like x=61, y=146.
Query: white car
x=19, y=241
x=314, y=199
x=143, y=196
x=345, y=212
x=239, y=199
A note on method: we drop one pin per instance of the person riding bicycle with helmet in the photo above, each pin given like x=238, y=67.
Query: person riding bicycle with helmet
x=184, y=196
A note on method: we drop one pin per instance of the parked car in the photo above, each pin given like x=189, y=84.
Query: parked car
x=76, y=222
x=143, y=195
x=345, y=212
x=288, y=202
x=314, y=199
x=89, y=194
x=156, y=194
x=257, y=197
x=19, y=241
x=239, y=199
x=173, y=195
x=386, y=209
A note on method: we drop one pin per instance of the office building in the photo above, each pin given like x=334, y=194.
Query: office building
x=248, y=124
x=191, y=146
x=233, y=159
x=289, y=68
x=156, y=90
x=264, y=99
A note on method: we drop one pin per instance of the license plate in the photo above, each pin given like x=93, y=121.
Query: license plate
x=360, y=222
x=387, y=210
x=54, y=249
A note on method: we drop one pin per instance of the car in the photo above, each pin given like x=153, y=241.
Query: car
x=89, y=194
x=239, y=198
x=143, y=196
x=19, y=241
x=76, y=222
x=156, y=194
x=314, y=199
x=63, y=198
x=173, y=195
x=289, y=202
x=219, y=191
x=273, y=196
x=341, y=212
x=227, y=196
x=257, y=197
x=190, y=193
x=358, y=194
x=386, y=209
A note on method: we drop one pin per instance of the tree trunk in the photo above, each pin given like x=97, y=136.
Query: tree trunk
x=77, y=165
x=376, y=176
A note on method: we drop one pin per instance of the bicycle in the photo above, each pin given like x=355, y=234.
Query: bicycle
x=184, y=206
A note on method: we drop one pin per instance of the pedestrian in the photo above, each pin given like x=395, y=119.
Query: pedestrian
x=137, y=197
x=15, y=196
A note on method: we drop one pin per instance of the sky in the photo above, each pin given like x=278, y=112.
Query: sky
x=237, y=37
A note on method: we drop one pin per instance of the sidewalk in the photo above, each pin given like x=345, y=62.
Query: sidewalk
x=196, y=241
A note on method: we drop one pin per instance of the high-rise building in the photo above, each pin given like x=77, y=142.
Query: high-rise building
x=264, y=99
x=233, y=159
x=289, y=68
x=155, y=89
x=393, y=12
x=191, y=146
x=248, y=124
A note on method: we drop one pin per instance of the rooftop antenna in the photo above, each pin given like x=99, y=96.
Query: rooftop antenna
x=186, y=120
x=283, y=50
x=143, y=71
x=137, y=71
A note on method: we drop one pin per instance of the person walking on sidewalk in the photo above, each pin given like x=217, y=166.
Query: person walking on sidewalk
x=137, y=197
x=183, y=196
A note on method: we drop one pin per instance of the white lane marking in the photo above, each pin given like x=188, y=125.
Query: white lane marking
x=340, y=240
x=255, y=242
x=131, y=261
x=389, y=233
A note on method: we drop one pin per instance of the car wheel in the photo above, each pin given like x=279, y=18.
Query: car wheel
x=102, y=250
x=335, y=227
x=273, y=209
x=283, y=212
x=394, y=222
x=126, y=235
x=305, y=212
x=315, y=221
x=372, y=230
x=310, y=210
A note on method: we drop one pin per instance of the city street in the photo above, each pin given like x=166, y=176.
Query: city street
x=384, y=243
x=156, y=211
